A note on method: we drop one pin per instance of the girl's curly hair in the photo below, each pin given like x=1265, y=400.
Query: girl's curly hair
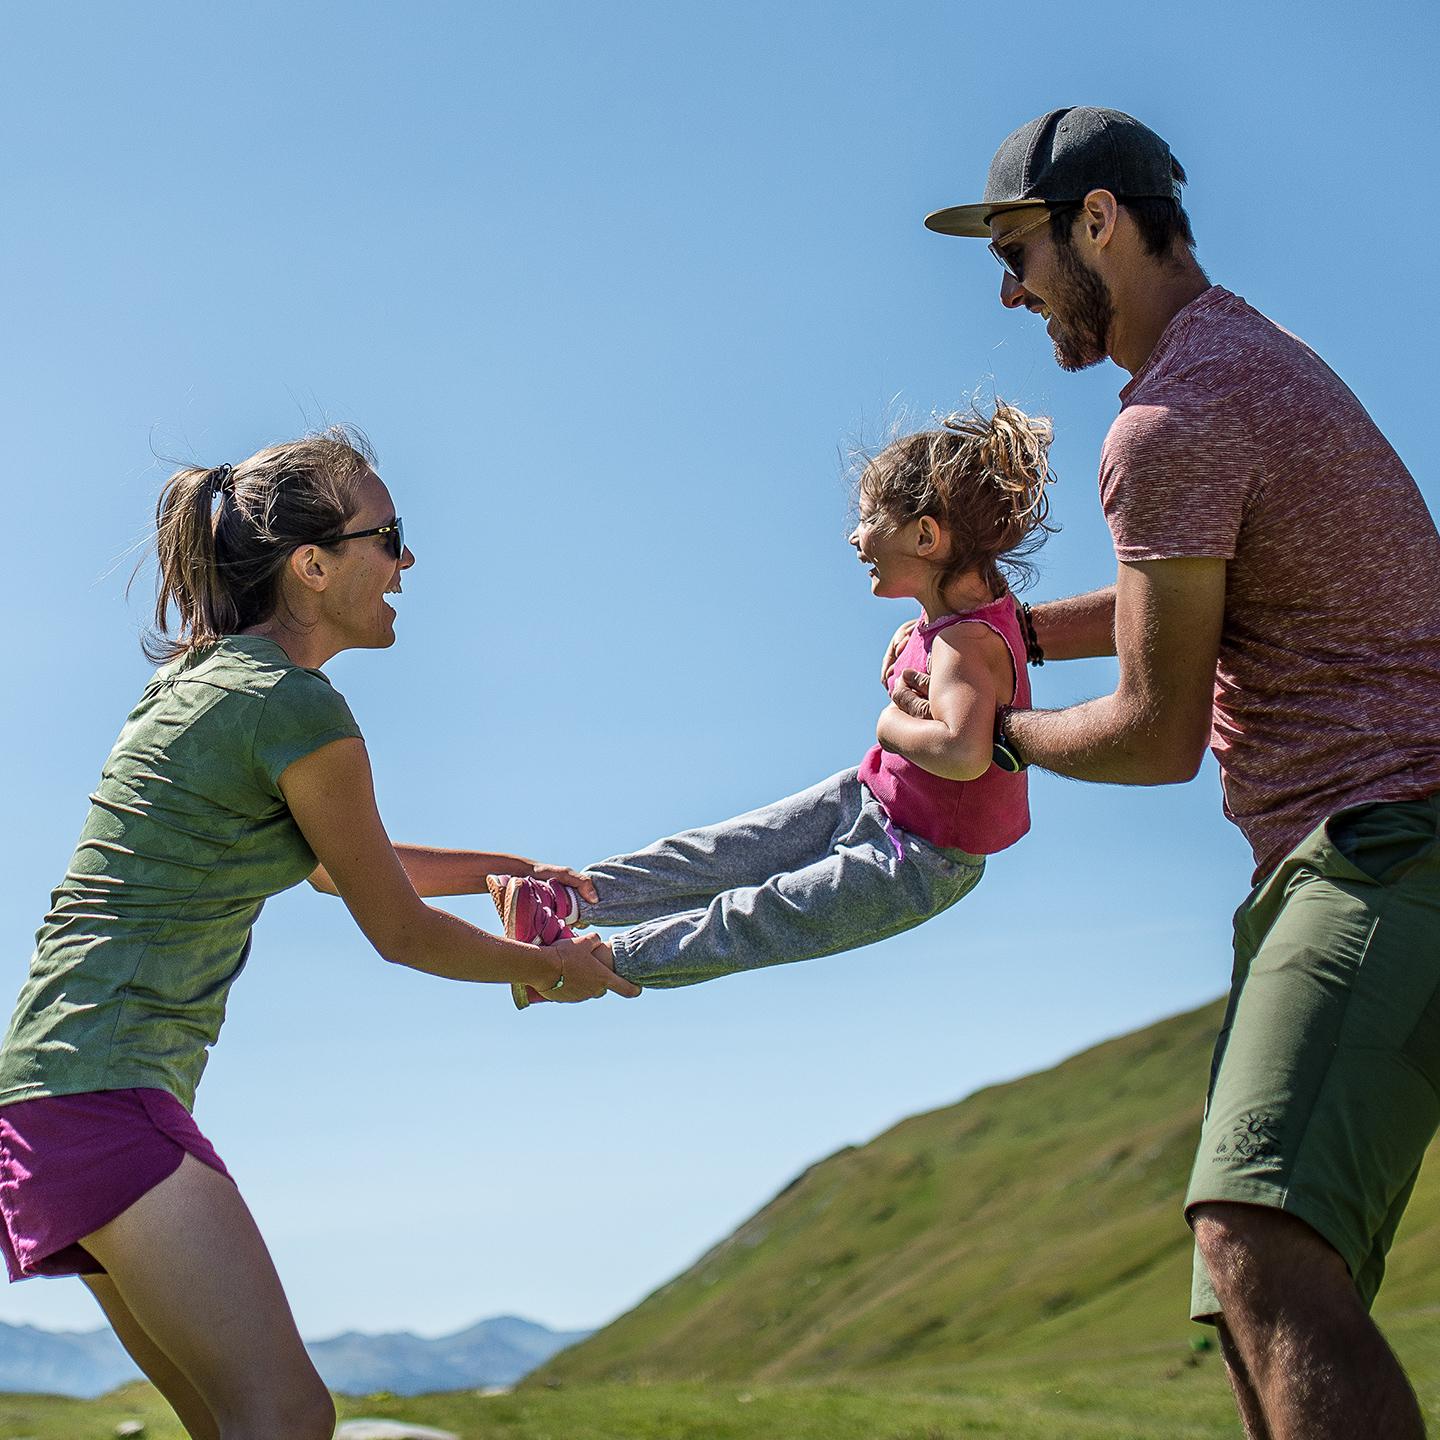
x=984, y=477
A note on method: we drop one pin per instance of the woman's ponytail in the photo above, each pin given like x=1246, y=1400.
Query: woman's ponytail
x=223, y=535
x=190, y=578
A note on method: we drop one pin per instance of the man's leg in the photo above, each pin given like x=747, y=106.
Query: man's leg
x=1247, y=1400
x=1311, y=1363
x=1323, y=1100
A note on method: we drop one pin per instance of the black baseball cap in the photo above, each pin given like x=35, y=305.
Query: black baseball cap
x=1060, y=158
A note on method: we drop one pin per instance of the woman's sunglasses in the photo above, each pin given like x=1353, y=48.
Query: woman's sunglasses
x=394, y=534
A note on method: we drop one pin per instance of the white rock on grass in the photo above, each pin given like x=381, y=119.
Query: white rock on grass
x=390, y=1430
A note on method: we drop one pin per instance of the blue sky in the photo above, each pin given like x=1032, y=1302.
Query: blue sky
x=612, y=288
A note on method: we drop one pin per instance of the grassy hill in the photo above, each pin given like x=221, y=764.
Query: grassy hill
x=1034, y=1222
x=1012, y=1266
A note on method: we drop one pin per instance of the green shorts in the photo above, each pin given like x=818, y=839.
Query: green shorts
x=1325, y=1087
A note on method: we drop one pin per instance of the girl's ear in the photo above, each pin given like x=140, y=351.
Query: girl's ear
x=927, y=537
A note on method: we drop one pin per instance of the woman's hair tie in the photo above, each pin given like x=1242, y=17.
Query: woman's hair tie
x=222, y=480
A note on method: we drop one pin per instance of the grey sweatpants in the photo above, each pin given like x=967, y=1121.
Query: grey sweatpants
x=820, y=872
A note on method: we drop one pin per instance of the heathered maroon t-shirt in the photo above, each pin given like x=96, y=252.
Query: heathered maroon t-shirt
x=1236, y=440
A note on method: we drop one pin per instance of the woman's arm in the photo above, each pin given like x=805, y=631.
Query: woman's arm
x=433, y=871
x=969, y=664
x=331, y=795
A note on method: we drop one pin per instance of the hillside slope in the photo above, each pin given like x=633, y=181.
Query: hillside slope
x=1034, y=1220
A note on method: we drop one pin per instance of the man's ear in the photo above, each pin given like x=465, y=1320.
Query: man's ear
x=309, y=564
x=1098, y=217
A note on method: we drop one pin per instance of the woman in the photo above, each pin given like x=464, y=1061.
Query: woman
x=239, y=773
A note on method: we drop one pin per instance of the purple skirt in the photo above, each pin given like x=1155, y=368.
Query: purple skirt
x=72, y=1163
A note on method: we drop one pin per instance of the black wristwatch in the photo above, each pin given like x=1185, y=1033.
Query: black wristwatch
x=1005, y=756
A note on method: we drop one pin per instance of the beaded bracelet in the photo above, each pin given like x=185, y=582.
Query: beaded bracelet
x=1034, y=655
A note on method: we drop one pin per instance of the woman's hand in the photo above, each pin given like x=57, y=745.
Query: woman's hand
x=897, y=643
x=587, y=970
x=581, y=884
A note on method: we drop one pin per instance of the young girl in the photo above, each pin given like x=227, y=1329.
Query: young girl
x=877, y=849
x=239, y=767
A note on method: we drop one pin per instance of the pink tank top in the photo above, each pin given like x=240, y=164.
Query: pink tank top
x=980, y=816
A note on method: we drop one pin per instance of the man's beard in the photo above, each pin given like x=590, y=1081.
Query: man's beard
x=1082, y=337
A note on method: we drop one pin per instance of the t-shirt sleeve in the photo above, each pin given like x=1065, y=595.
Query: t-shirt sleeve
x=303, y=711
x=1176, y=478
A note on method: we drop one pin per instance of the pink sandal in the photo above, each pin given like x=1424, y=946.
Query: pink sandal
x=527, y=911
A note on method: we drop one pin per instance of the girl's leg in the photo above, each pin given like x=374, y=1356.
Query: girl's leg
x=861, y=891
x=688, y=870
x=188, y=1264
x=184, y=1399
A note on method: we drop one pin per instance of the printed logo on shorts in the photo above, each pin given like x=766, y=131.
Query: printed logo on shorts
x=1254, y=1137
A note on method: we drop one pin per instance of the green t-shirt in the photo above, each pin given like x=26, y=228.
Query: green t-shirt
x=188, y=835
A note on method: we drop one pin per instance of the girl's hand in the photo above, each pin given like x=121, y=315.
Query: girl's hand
x=582, y=884
x=892, y=651
x=588, y=971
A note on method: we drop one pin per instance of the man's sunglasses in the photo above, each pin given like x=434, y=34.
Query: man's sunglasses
x=1015, y=265
x=394, y=534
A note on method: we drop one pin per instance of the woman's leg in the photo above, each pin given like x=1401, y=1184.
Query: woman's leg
x=183, y=1398
x=863, y=890
x=687, y=870
x=188, y=1263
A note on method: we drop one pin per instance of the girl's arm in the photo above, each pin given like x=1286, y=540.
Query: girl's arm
x=463, y=872
x=331, y=795
x=970, y=677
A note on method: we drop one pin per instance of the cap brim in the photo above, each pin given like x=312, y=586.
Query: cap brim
x=974, y=220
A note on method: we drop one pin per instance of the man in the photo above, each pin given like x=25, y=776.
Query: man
x=1278, y=595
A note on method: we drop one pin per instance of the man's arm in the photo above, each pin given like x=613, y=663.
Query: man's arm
x=1077, y=628
x=1154, y=729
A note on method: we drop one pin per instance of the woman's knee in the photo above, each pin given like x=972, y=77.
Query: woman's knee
x=304, y=1412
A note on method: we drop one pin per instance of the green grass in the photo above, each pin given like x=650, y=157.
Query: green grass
x=1137, y=1404
x=1164, y=1392
x=1168, y=1392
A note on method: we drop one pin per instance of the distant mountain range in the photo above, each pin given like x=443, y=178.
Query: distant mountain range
x=494, y=1352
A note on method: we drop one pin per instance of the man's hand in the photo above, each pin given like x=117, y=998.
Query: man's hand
x=912, y=694
x=897, y=643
